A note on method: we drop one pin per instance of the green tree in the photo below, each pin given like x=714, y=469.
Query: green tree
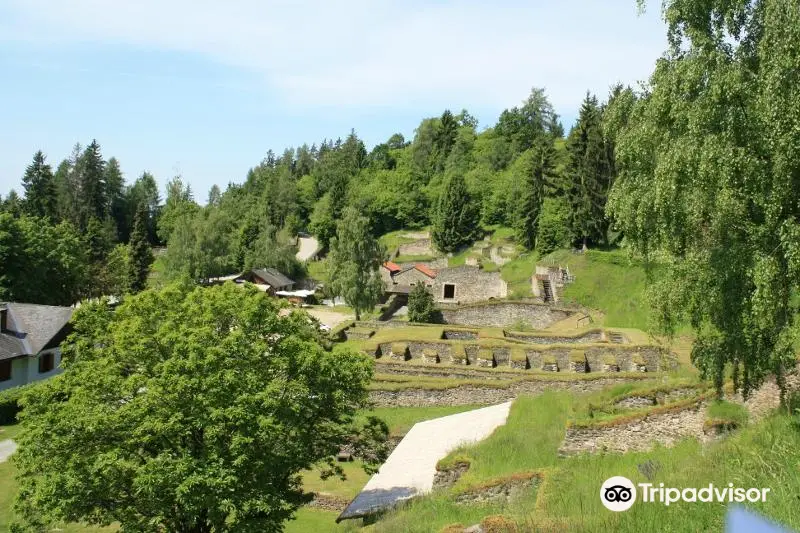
x=40, y=190
x=202, y=246
x=141, y=256
x=116, y=197
x=180, y=202
x=708, y=168
x=457, y=216
x=117, y=271
x=90, y=170
x=354, y=261
x=42, y=263
x=68, y=188
x=421, y=307
x=13, y=204
x=538, y=167
x=588, y=174
x=144, y=191
x=214, y=196
x=193, y=411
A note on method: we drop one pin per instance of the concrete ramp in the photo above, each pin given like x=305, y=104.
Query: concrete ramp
x=410, y=469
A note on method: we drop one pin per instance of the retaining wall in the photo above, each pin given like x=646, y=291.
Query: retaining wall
x=504, y=314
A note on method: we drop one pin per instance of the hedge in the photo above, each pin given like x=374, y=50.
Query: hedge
x=9, y=404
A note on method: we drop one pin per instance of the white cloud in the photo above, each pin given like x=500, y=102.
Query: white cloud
x=359, y=53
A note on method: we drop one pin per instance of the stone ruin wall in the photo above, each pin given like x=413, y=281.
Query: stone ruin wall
x=538, y=358
x=502, y=314
x=485, y=395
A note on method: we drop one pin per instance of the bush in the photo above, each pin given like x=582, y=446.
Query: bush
x=9, y=404
x=421, y=307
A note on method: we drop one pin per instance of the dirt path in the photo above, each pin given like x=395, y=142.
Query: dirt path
x=7, y=447
x=307, y=247
x=329, y=318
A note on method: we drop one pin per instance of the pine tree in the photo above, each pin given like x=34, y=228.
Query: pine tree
x=214, y=195
x=529, y=201
x=588, y=174
x=457, y=217
x=354, y=261
x=13, y=204
x=115, y=196
x=68, y=187
x=141, y=257
x=40, y=190
x=92, y=186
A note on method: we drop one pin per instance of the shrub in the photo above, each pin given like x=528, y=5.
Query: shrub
x=421, y=307
x=9, y=404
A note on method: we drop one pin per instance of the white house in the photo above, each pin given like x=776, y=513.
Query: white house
x=30, y=336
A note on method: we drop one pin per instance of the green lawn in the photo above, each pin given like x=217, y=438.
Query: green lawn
x=400, y=419
x=310, y=520
x=157, y=275
x=392, y=240
x=517, y=274
x=317, y=270
x=606, y=281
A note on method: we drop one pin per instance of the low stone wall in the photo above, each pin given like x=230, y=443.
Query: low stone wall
x=328, y=502
x=590, y=337
x=640, y=435
x=419, y=247
x=447, y=477
x=469, y=395
x=504, y=313
x=555, y=358
x=505, y=489
x=635, y=402
x=460, y=335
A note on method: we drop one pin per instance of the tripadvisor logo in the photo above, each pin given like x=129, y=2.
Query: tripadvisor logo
x=618, y=493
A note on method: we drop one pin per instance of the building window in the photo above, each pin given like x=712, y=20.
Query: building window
x=449, y=291
x=46, y=362
x=5, y=370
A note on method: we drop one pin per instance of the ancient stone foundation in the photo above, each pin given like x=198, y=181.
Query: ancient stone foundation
x=469, y=395
x=640, y=435
x=501, y=314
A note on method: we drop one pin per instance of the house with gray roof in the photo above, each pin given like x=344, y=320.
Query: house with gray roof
x=30, y=337
x=268, y=279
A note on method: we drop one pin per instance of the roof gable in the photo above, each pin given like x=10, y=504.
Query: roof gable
x=31, y=327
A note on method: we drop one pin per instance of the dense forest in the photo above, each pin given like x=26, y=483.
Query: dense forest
x=522, y=173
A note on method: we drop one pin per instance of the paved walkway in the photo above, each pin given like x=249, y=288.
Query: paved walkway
x=307, y=248
x=410, y=469
x=7, y=447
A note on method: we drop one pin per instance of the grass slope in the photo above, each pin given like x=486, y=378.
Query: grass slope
x=609, y=282
x=763, y=455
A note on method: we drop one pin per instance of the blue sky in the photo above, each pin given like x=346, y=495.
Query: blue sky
x=204, y=88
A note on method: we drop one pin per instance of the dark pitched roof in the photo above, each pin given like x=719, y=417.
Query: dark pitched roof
x=272, y=277
x=31, y=327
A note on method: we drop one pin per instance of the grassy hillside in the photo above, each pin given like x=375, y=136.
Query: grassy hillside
x=762, y=455
x=609, y=282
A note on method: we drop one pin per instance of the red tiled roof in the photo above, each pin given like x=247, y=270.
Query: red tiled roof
x=391, y=267
x=425, y=270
